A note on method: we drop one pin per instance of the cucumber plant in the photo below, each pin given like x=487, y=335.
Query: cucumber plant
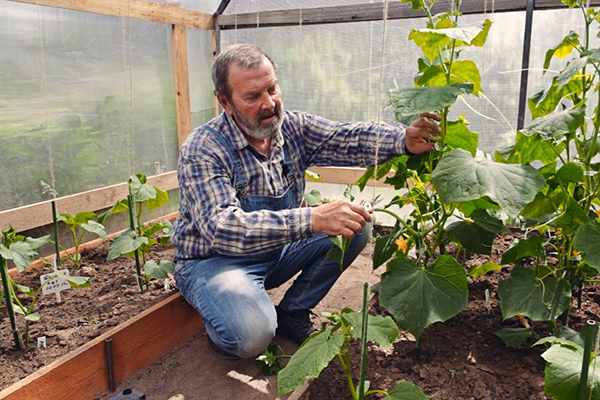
x=78, y=225
x=564, y=217
x=139, y=238
x=458, y=194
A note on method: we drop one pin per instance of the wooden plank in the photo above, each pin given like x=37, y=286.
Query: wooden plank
x=40, y=214
x=136, y=9
x=555, y=4
x=355, y=13
x=137, y=343
x=347, y=176
x=182, y=83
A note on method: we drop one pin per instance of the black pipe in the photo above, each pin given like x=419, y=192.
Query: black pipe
x=110, y=366
x=525, y=63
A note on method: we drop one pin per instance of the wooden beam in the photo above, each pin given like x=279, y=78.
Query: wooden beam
x=370, y=12
x=182, y=83
x=354, y=13
x=136, y=9
x=345, y=176
x=40, y=214
x=137, y=343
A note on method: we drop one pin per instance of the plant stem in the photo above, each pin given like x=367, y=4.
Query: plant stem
x=8, y=297
x=363, y=352
x=55, y=227
x=137, y=259
x=591, y=330
x=407, y=226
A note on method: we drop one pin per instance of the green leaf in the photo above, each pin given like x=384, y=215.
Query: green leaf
x=309, y=361
x=558, y=340
x=33, y=317
x=126, y=242
x=563, y=49
x=381, y=330
x=458, y=136
x=587, y=241
x=337, y=251
x=78, y=281
x=95, y=227
x=157, y=201
x=563, y=373
x=385, y=247
x=26, y=290
x=140, y=192
x=564, y=332
x=571, y=172
x=160, y=270
x=468, y=207
x=459, y=177
x=313, y=198
x=572, y=217
x=405, y=390
x=558, y=124
x=523, y=249
x=470, y=35
x=21, y=253
x=546, y=101
x=479, y=270
x=572, y=69
x=462, y=71
x=529, y=148
x=118, y=207
x=524, y=294
x=38, y=242
x=414, y=101
x=417, y=297
x=478, y=232
x=514, y=337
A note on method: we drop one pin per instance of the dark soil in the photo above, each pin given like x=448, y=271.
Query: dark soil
x=461, y=358
x=82, y=315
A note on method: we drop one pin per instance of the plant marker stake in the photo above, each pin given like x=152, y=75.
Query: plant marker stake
x=55, y=226
x=110, y=366
x=137, y=258
x=11, y=313
x=55, y=268
x=591, y=330
x=363, y=352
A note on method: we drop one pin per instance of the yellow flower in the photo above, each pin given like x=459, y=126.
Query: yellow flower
x=576, y=253
x=598, y=213
x=469, y=220
x=402, y=244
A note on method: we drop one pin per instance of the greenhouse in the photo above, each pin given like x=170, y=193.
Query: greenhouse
x=343, y=199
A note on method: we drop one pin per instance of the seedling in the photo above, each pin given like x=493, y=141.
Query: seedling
x=138, y=239
x=78, y=225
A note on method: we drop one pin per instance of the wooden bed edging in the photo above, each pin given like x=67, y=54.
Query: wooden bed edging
x=137, y=343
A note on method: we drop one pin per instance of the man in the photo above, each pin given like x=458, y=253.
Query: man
x=241, y=229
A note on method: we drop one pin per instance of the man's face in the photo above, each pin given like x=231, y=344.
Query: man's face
x=255, y=104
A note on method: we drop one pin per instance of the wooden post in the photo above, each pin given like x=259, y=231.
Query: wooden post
x=182, y=83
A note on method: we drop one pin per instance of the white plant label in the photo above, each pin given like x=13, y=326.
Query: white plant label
x=55, y=284
x=41, y=342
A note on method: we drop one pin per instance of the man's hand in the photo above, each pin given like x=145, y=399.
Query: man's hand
x=339, y=218
x=420, y=131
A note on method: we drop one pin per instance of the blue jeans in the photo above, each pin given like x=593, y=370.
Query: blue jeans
x=230, y=292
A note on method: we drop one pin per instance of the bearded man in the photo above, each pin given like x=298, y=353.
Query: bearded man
x=242, y=230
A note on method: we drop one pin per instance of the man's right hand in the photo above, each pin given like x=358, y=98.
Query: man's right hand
x=340, y=217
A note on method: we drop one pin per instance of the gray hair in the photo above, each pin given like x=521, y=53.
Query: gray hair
x=245, y=55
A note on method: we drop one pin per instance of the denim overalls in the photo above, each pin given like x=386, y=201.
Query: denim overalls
x=230, y=292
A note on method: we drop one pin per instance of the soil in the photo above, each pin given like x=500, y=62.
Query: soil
x=83, y=313
x=459, y=359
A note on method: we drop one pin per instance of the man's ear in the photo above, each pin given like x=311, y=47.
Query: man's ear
x=225, y=103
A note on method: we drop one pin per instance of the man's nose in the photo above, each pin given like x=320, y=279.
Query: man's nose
x=268, y=103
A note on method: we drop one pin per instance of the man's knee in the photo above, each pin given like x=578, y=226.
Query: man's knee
x=251, y=334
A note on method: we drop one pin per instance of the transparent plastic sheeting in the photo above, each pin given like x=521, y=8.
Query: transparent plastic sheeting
x=85, y=101
x=334, y=70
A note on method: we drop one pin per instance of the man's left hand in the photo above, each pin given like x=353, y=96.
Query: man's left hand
x=420, y=132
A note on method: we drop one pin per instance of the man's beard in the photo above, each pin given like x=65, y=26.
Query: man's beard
x=255, y=129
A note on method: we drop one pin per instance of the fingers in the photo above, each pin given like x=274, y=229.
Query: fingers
x=339, y=218
x=422, y=132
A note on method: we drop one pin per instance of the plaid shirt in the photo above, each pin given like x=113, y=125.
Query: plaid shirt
x=211, y=220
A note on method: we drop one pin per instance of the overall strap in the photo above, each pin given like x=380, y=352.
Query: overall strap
x=288, y=166
x=240, y=182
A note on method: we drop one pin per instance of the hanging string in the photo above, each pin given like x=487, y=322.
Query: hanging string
x=379, y=107
x=51, y=191
x=128, y=73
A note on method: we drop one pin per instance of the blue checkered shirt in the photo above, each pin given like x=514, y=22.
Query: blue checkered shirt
x=211, y=220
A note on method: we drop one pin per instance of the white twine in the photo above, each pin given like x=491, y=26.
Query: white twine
x=48, y=134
